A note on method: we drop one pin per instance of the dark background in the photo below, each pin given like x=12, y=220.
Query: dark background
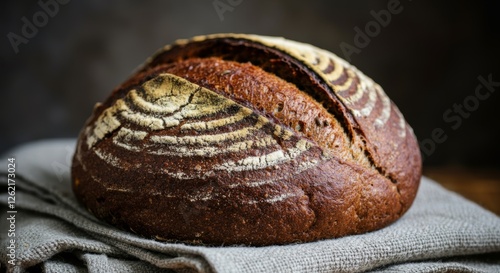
x=427, y=59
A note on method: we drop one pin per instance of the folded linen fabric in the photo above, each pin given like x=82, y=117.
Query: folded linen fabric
x=54, y=233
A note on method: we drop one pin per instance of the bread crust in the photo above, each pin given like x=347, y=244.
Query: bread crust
x=243, y=139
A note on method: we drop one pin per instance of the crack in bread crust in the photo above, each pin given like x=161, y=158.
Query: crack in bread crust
x=273, y=97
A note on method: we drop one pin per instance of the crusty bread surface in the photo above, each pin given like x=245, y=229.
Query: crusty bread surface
x=243, y=139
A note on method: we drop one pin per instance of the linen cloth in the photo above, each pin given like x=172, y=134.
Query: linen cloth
x=442, y=232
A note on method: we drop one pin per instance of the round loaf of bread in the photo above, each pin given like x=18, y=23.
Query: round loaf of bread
x=244, y=139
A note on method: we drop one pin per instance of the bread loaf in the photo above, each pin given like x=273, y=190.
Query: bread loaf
x=244, y=139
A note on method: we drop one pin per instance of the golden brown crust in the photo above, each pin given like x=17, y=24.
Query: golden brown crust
x=272, y=97
x=237, y=139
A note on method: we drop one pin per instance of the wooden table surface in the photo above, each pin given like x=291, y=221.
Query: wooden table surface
x=476, y=184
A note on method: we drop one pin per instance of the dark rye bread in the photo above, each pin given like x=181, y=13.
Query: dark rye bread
x=244, y=139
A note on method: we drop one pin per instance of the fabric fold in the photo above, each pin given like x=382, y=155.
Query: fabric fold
x=441, y=231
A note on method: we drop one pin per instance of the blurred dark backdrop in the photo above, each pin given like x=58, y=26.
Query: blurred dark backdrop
x=428, y=58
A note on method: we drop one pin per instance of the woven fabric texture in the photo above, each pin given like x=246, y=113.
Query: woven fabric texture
x=441, y=232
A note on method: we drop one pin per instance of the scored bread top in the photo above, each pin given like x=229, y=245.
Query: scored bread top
x=373, y=124
x=246, y=133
